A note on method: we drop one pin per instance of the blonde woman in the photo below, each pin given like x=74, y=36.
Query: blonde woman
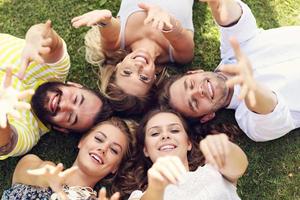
x=144, y=36
x=101, y=151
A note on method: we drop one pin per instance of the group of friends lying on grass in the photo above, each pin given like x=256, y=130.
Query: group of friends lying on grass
x=159, y=157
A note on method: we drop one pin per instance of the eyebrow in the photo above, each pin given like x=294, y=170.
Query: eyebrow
x=185, y=84
x=190, y=105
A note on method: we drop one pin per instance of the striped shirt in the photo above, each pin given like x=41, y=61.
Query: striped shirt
x=29, y=129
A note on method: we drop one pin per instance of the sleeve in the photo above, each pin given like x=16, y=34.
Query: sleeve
x=27, y=136
x=136, y=195
x=243, y=30
x=61, y=67
x=267, y=127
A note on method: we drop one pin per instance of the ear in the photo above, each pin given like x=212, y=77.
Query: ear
x=190, y=145
x=195, y=71
x=145, y=152
x=207, y=117
x=63, y=130
x=75, y=84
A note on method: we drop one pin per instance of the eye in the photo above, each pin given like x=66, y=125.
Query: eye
x=127, y=72
x=98, y=139
x=114, y=151
x=75, y=100
x=154, y=134
x=175, y=131
x=144, y=78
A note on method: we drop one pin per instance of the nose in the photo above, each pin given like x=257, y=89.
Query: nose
x=197, y=92
x=104, y=147
x=146, y=70
x=165, y=135
x=66, y=106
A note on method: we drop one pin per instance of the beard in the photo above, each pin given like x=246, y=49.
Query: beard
x=40, y=100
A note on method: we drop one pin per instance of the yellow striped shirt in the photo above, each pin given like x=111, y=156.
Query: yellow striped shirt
x=29, y=129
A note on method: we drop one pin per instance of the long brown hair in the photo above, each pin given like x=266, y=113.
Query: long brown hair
x=136, y=177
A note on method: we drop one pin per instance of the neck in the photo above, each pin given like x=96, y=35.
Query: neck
x=149, y=45
x=80, y=178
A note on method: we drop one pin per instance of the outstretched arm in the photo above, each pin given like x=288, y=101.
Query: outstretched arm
x=31, y=170
x=258, y=98
x=108, y=25
x=225, y=156
x=181, y=40
x=43, y=45
x=225, y=12
x=10, y=103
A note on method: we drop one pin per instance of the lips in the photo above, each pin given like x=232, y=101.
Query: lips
x=210, y=89
x=167, y=147
x=141, y=57
x=97, y=158
x=53, y=103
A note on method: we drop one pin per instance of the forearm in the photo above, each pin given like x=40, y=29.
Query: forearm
x=235, y=163
x=181, y=40
x=226, y=12
x=5, y=136
x=30, y=161
x=110, y=33
x=266, y=100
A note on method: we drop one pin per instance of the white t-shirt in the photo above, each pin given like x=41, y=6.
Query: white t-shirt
x=206, y=183
x=275, y=58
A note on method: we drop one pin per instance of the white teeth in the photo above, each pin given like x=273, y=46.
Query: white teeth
x=210, y=90
x=141, y=59
x=97, y=158
x=167, y=147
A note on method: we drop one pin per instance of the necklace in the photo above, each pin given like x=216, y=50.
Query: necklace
x=76, y=193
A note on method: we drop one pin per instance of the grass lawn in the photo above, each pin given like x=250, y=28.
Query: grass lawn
x=274, y=169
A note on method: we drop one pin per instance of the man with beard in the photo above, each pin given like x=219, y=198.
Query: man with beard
x=261, y=88
x=41, y=63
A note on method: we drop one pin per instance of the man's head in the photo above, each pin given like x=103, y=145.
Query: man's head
x=69, y=107
x=196, y=94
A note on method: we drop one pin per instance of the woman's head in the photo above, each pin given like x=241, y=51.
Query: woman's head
x=164, y=133
x=119, y=100
x=103, y=148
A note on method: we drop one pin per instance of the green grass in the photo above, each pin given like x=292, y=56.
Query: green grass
x=274, y=170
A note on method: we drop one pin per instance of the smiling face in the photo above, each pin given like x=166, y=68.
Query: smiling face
x=102, y=150
x=198, y=94
x=135, y=75
x=165, y=135
x=68, y=107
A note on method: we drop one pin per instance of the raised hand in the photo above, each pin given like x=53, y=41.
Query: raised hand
x=102, y=195
x=54, y=177
x=166, y=170
x=242, y=74
x=215, y=149
x=92, y=18
x=10, y=99
x=38, y=44
x=157, y=17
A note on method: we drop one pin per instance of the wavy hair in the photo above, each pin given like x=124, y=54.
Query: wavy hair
x=136, y=177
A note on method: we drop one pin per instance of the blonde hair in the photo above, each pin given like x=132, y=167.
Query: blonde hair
x=96, y=54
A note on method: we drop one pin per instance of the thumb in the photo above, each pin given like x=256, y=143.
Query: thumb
x=144, y=6
x=47, y=28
